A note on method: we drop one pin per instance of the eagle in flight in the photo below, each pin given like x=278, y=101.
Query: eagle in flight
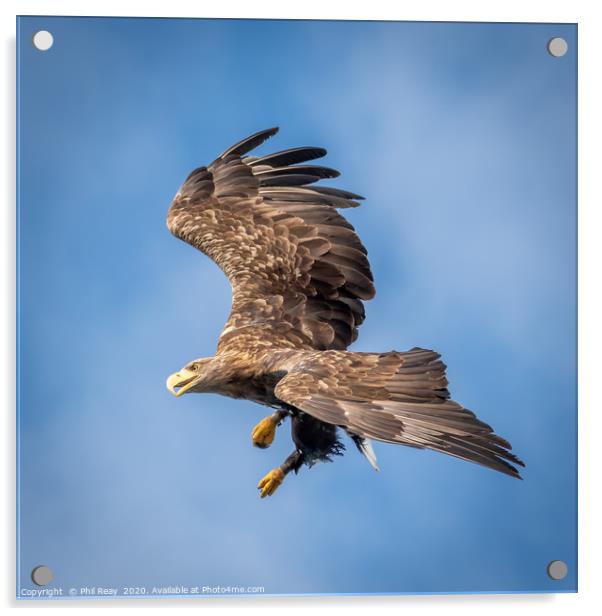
x=299, y=275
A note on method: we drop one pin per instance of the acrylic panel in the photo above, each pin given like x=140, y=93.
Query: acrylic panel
x=461, y=139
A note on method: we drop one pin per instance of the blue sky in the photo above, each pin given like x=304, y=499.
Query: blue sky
x=462, y=138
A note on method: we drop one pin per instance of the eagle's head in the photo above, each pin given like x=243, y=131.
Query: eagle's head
x=197, y=376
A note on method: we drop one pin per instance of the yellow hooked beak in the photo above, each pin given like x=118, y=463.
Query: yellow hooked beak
x=184, y=380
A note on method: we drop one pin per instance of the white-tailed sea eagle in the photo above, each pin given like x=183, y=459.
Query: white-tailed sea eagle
x=299, y=274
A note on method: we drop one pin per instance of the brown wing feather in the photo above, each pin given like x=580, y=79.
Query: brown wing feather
x=298, y=270
x=395, y=398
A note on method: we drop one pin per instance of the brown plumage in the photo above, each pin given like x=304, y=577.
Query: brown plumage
x=299, y=275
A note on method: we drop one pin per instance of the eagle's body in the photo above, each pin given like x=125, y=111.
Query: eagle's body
x=299, y=274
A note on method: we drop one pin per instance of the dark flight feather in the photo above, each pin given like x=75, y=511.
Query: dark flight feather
x=288, y=157
x=250, y=143
x=316, y=171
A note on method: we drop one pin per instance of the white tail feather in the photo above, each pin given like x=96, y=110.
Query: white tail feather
x=365, y=446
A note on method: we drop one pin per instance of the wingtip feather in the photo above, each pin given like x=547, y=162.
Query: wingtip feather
x=251, y=142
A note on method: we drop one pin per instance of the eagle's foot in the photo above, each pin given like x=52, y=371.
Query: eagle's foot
x=270, y=483
x=264, y=432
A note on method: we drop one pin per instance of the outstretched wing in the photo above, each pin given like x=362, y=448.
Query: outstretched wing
x=395, y=398
x=297, y=268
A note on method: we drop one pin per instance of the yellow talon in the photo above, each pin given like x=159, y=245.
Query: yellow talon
x=264, y=432
x=270, y=483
